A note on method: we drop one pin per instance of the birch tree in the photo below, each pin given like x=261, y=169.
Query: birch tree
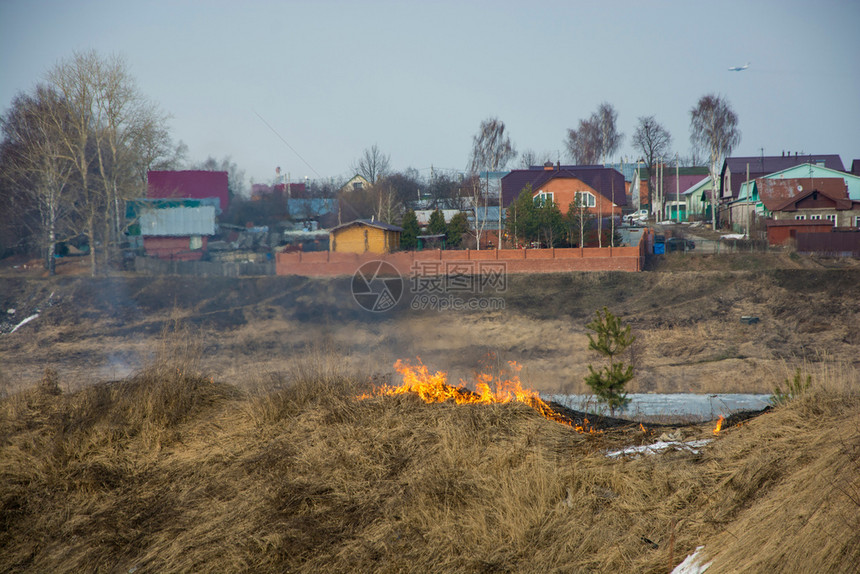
x=35, y=168
x=104, y=128
x=491, y=151
x=610, y=137
x=75, y=123
x=596, y=138
x=714, y=131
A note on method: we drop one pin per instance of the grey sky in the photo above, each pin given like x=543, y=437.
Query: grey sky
x=416, y=78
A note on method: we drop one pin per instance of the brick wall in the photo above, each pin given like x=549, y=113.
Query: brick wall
x=326, y=263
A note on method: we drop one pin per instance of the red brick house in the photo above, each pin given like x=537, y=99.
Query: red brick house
x=601, y=190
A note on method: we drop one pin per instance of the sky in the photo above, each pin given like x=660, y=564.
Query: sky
x=308, y=86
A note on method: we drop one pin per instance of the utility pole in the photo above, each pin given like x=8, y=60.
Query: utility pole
x=677, y=188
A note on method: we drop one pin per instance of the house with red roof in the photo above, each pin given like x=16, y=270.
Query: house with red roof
x=737, y=170
x=804, y=205
x=190, y=184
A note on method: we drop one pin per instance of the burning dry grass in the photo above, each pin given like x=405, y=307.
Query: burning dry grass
x=169, y=472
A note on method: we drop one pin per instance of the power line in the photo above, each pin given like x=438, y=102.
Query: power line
x=286, y=143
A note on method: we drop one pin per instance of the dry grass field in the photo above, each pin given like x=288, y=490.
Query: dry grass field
x=690, y=337
x=170, y=471
x=213, y=425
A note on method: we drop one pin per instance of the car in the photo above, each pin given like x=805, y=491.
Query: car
x=679, y=244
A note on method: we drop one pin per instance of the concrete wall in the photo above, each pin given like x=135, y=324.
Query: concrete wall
x=436, y=262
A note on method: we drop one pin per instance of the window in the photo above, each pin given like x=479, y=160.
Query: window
x=832, y=218
x=195, y=242
x=799, y=217
x=815, y=217
x=585, y=199
x=857, y=221
x=356, y=186
x=544, y=197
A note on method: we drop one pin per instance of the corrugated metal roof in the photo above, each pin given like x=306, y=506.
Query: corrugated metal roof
x=777, y=194
x=764, y=165
x=178, y=221
x=191, y=183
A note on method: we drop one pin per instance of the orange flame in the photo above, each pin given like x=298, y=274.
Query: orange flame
x=719, y=425
x=489, y=389
x=642, y=428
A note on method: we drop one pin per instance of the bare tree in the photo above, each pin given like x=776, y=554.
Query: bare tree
x=491, y=151
x=530, y=157
x=583, y=143
x=373, y=165
x=651, y=139
x=155, y=150
x=75, y=81
x=123, y=116
x=35, y=168
x=102, y=122
x=714, y=131
x=610, y=137
x=491, y=147
x=596, y=138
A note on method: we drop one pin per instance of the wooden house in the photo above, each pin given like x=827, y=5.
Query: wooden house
x=365, y=236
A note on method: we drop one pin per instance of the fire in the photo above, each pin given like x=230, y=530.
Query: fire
x=719, y=425
x=489, y=389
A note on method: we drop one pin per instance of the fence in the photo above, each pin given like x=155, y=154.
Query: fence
x=153, y=266
x=436, y=261
x=836, y=244
x=722, y=246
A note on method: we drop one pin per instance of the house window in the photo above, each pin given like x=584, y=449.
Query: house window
x=356, y=186
x=857, y=221
x=832, y=218
x=815, y=217
x=544, y=197
x=585, y=199
x=196, y=242
x=799, y=217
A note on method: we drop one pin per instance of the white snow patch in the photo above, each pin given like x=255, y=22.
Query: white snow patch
x=691, y=446
x=24, y=322
x=734, y=236
x=692, y=564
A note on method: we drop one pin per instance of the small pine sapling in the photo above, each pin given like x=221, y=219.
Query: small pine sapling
x=610, y=339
